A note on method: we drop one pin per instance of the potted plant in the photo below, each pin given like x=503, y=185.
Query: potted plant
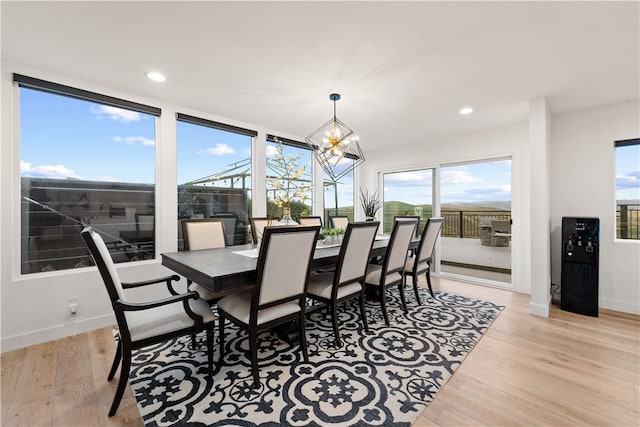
x=370, y=204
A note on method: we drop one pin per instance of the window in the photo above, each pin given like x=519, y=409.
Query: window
x=628, y=189
x=214, y=174
x=408, y=193
x=85, y=159
x=289, y=177
x=338, y=195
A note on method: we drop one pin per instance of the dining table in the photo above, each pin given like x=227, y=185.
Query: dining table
x=225, y=270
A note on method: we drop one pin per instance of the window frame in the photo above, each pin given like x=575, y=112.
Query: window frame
x=616, y=145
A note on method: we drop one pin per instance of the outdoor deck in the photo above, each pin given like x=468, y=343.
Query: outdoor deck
x=469, y=257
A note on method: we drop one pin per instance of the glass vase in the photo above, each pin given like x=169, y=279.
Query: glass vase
x=286, y=217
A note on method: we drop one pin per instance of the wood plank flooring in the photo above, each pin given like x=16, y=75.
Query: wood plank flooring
x=527, y=370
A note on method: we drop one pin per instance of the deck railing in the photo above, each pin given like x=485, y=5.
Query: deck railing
x=467, y=224
x=628, y=221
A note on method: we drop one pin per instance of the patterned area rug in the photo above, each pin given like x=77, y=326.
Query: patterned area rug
x=383, y=378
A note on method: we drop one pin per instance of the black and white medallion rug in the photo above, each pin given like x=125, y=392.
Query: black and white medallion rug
x=383, y=378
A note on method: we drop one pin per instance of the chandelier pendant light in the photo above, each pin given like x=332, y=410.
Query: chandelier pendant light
x=335, y=146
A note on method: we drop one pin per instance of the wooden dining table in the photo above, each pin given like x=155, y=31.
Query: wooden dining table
x=224, y=270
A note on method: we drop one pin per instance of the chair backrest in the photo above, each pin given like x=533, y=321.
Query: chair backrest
x=207, y=233
x=428, y=239
x=145, y=222
x=399, y=241
x=339, y=221
x=354, y=252
x=501, y=226
x=230, y=225
x=310, y=220
x=257, y=227
x=104, y=262
x=416, y=217
x=283, y=264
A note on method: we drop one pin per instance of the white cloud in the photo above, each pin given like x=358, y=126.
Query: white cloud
x=272, y=150
x=114, y=113
x=419, y=178
x=133, y=139
x=46, y=171
x=220, y=150
x=628, y=180
x=457, y=176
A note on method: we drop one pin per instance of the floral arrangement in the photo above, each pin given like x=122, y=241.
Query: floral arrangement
x=286, y=185
x=370, y=203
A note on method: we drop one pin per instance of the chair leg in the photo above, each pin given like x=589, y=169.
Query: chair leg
x=116, y=361
x=334, y=320
x=253, y=350
x=303, y=337
x=429, y=282
x=402, y=297
x=210, y=348
x=122, y=382
x=383, y=304
x=221, y=337
x=363, y=312
x=414, y=277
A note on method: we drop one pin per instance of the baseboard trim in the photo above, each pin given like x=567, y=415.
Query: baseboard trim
x=622, y=306
x=56, y=332
x=541, y=309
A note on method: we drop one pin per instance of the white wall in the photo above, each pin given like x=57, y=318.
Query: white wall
x=583, y=184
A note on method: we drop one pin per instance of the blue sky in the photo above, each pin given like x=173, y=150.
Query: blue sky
x=63, y=138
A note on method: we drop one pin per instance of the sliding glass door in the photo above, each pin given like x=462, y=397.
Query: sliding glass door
x=476, y=205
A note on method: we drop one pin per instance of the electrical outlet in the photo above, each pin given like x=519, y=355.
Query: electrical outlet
x=74, y=304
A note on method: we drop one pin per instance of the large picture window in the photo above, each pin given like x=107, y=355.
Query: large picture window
x=289, y=178
x=338, y=195
x=408, y=193
x=214, y=174
x=628, y=189
x=85, y=159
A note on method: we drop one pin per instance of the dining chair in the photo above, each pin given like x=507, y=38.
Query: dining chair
x=257, y=227
x=391, y=272
x=420, y=263
x=310, y=220
x=280, y=291
x=347, y=281
x=416, y=217
x=207, y=233
x=338, y=221
x=230, y=225
x=141, y=324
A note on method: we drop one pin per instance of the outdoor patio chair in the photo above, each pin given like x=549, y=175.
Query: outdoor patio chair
x=500, y=230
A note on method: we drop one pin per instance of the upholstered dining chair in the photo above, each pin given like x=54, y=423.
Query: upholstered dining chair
x=338, y=221
x=416, y=217
x=279, y=293
x=257, y=227
x=207, y=233
x=347, y=281
x=310, y=220
x=391, y=272
x=420, y=263
x=230, y=225
x=141, y=324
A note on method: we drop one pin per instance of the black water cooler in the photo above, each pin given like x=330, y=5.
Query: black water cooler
x=579, y=286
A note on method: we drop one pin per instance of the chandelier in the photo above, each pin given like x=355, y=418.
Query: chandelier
x=335, y=146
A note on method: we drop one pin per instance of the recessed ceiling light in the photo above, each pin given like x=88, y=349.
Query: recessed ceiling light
x=466, y=110
x=155, y=76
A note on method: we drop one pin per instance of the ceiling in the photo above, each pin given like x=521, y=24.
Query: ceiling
x=404, y=69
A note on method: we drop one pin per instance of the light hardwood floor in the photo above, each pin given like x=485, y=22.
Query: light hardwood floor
x=527, y=370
